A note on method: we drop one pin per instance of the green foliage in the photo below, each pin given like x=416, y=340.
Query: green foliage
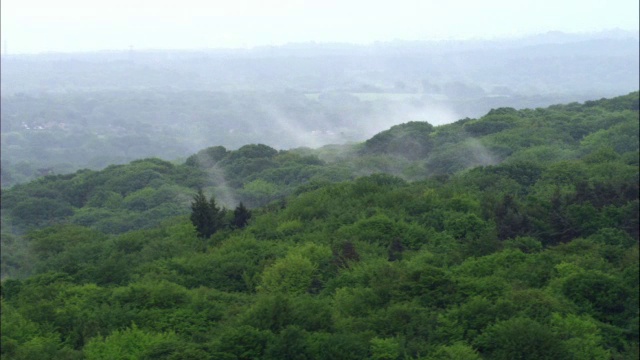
x=599, y=294
x=376, y=229
x=131, y=343
x=208, y=157
x=581, y=337
x=457, y=351
x=290, y=343
x=235, y=266
x=622, y=138
x=531, y=258
x=496, y=121
x=291, y=275
x=410, y=140
x=520, y=338
x=385, y=349
x=339, y=345
x=151, y=294
x=259, y=192
x=24, y=339
x=244, y=342
x=105, y=199
x=41, y=212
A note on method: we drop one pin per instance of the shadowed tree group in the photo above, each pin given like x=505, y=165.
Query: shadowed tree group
x=206, y=216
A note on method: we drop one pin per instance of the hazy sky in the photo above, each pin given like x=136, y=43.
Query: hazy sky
x=73, y=25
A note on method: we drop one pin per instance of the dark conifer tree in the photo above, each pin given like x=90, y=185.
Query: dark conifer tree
x=343, y=253
x=205, y=215
x=510, y=221
x=561, y=227
x=217, y=214
x=395, y=250
x=241, y=216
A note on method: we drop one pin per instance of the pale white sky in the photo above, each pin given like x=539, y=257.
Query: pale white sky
x=30, y=26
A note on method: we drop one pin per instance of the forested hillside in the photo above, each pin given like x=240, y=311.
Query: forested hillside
x=510, y=236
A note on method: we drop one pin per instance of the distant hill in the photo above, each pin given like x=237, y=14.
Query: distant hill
x=595, y=65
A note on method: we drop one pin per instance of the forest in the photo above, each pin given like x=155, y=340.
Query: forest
x=513, y=235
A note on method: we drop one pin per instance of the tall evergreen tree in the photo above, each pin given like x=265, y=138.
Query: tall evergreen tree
x=241, y=216
x=205, y=215
x=217, y=214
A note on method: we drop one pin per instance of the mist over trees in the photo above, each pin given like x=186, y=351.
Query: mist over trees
x=64, y=112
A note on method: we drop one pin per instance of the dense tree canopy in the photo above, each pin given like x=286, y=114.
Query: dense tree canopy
x=526, y=248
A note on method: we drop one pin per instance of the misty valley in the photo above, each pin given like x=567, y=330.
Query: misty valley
x=400, y=200
x=66, y=112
